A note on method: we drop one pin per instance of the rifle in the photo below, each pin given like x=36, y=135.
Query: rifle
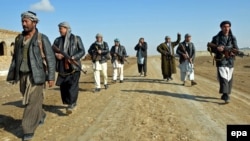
x=67, y=57
x=184, y=50
x=226, y=53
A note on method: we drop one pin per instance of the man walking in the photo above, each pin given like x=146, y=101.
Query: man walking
x=141, y=55
x=225, y=42
x=99, y=52
x=186, y=52
x=33, y=63
x=68, y=73
x=118, y=54
x=166, y=49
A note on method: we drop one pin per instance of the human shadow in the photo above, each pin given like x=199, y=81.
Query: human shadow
x=54, y=109
x=148, y=80
x=177, y=95
x=11, y=125
x=246, y=66
x=15, y=103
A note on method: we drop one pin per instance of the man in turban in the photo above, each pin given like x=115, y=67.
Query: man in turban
x=33, y=63
x=166, y=49
x=98, y=52
x=68, y=73
x=225, y=41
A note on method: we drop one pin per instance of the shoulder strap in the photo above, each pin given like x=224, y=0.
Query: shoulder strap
x=40, y=43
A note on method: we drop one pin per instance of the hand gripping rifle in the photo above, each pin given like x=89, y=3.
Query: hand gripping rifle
x=226, y=53
x=184, y=50
x=67, y=57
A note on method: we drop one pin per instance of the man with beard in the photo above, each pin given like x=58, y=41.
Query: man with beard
x=141, y=55
x=33, y=63
x=166, y=50
x=225, y=41
x=98, y=52
x=68, y=73
x=186, y=51
x=118, y=54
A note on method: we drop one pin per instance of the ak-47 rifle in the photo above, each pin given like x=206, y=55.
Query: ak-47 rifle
x=185, y=51
x=226, y=53
x=68, y=58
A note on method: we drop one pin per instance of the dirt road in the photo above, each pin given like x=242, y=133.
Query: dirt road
x=140, y=109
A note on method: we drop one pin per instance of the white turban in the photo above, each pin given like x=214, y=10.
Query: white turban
x=30, y=15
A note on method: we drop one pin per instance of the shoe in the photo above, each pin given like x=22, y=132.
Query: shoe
x=223, y=97
x=114, y=81
x=43, y=119
x=193, y=83
x=121, y=81
x=170, y=78
x=106, y=86
x=97, y=90
x=70, y=108
x=27, y=137
x=183, y=83
x=145, y=74
x=227, y=98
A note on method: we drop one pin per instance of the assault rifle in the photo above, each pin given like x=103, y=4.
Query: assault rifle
x=226, y=53
x=68, y=59
x=185, y=51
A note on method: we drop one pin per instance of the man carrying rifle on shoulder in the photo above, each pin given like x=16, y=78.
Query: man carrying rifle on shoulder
x=118, y=54
x=224, y=50
x=186, y=51
x=68, y=50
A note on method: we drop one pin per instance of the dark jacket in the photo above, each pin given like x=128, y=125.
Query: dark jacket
x=94, y=55
x=143, y=49
x=189, y=48
x=229, y=43
x=120, y=55
x=75, y=49
x=34, y=60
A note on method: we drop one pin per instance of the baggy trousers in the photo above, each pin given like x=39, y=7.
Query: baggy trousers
x=33, y=100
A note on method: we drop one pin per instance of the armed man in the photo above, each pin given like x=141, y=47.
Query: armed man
x=186, y=51
x=166, y=50
x=225, y=43
x=68, y=50
x=99, y=52
x=118, y=54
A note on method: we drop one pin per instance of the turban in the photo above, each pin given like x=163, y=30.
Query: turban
x=64, y=24
x=30, y=15
x=187, y=35
x=167, y=37
x=225, y=22
x=98, y=35
x=116, y=40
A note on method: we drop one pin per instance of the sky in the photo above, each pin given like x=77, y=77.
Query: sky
x=129, y=20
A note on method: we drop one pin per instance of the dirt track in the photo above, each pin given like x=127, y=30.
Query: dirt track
x=140, y=109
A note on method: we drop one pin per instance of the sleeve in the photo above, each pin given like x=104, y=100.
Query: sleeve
x=137, y=47
x=215, y=40
x=177, y=41
x=160, y=50
x=178, y=50
x=124, y=53
x=91, y=50
x=81, y=50
x=105, y=50
x=50, y=57
x=193, y=52
x=144, y=47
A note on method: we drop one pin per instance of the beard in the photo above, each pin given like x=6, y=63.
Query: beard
x=27, y=29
